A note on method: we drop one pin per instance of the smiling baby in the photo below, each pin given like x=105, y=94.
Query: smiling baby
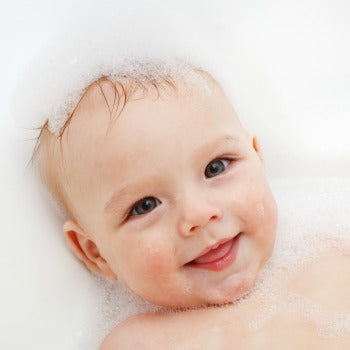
x=166, y=191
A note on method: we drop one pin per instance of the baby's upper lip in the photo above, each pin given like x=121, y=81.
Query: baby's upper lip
x=213, y=246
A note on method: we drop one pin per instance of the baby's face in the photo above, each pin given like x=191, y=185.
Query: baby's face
x=173, y=199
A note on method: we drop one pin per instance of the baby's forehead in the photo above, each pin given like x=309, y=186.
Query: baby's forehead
x=104, y=123
x=104, y=102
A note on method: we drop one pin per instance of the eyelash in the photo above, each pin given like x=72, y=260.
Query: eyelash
x=221, y=159
x=143, y=200
x=130, y=212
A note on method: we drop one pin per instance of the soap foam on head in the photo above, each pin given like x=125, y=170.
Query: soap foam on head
x=123, y=42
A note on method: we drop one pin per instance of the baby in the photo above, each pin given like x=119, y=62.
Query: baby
x=166, y=191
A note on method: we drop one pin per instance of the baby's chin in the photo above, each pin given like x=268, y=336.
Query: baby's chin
x=226, y=295
x=215, y=300
x=234, y=288
x=229, y=294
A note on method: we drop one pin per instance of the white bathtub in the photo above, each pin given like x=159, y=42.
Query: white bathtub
x=292, y=88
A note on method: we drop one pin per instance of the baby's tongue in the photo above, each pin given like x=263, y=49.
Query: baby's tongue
x=214, y=254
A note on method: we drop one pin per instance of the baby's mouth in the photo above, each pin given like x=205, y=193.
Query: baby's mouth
x=218, y=256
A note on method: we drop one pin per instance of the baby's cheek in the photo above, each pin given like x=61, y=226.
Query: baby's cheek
x=157, y=258
x=270, y=210
x=260, y=210
x=253, y=206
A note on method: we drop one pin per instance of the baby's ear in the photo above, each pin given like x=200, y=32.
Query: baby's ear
x=256, y=145
x=86, y=250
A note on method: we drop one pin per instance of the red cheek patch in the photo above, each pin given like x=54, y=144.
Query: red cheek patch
x=156, y=258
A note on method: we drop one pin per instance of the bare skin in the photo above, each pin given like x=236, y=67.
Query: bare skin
x=323, y=282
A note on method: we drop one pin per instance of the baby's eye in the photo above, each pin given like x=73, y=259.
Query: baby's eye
x=216, y=167
x=144, y=206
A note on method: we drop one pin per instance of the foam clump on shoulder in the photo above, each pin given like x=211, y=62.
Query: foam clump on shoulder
x=132, y=42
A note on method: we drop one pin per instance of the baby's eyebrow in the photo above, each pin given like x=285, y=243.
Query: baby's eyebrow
x=128, y=190
x=112, y=201
x=222, y=139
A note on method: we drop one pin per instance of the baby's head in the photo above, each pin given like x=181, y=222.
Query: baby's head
x=164, y=188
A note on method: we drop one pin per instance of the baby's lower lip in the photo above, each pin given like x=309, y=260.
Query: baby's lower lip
x=223, y=262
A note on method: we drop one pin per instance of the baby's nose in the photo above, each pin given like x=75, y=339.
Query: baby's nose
x=197, y=214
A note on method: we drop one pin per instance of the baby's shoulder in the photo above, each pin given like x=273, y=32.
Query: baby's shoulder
x=168, y=330
x=326, y=281
x=137, y=332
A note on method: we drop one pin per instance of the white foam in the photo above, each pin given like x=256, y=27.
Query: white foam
x=117, y=40
x=328, y=324
x=113, y=303
x=313, y=220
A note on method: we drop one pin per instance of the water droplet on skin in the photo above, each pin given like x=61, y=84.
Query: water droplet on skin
x=216, y=329
x=187, y=289
x=260, y=210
